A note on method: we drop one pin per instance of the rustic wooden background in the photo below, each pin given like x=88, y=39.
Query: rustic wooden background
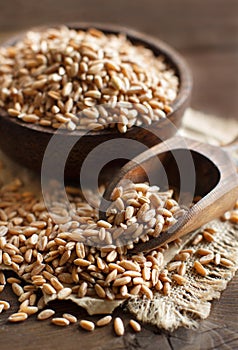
x=206, y=33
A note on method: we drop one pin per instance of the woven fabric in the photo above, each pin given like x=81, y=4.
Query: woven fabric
x=187, y=304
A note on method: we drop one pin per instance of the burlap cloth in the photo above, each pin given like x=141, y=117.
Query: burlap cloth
x=186, y=304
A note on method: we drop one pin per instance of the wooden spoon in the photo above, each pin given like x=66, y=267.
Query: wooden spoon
x=216, y=181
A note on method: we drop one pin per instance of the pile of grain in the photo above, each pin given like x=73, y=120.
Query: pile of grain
x=50, y=77
x=49, y=250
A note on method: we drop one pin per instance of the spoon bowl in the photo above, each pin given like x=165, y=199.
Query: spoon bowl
x=213, y=177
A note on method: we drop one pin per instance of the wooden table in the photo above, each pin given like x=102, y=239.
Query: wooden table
x=206, y=32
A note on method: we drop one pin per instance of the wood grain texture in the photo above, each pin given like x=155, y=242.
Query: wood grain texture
x=215, y=81
x=206, y=32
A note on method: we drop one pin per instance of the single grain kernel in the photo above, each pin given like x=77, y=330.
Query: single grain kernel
x=119, y=326
x=207, y=259
x=64, y=293
x=104, y=321
x=60, y=321
x=197, y=239
x=166, y=288
x=226, y=262
x=199, y=268
x=208, y=236
x=179, y=279
x=5, y=304
x=17, y=317
x=70, y=318
x=87, y=325
x=45, y=314
x=182, y=269
x=182, y=256
x=135, y=325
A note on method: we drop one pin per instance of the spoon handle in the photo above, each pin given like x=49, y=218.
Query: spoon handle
x=232, y=149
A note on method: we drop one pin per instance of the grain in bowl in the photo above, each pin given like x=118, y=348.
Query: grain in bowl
x=60, y=77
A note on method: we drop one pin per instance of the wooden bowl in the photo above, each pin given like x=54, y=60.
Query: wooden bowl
x=26, y=143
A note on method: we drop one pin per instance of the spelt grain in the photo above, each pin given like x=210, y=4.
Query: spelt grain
x=207, y=259
x=119, y=326
x=199, y=268
x=226, y=262
x=5, y=304
x=135, y=326
x=45, y=314
x=87, y=325
x=17, y=317
x=85, y=75
x=70, y=318
x=104, y=321
x=64, y=293
x=60, y=321
x=179, y=279
x=208, y=236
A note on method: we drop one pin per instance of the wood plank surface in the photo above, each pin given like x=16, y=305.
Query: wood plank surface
x=206, y=32
x=184, y=24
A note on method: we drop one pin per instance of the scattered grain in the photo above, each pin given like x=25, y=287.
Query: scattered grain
x=70, y=318
x=179, y=279
x=119, y=326
x=208, y=236
x=45, y=314
x=104, y=321
x=87, y=325
x=135, y=325
x=17, y=317
x=5, y=304
x=60, y=321
x=226, y=262
x=199, y=268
